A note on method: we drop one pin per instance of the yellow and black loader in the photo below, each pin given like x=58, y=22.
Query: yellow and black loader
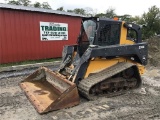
x=108, y=59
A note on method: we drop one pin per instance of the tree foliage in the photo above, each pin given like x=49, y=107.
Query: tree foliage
x=124, y=17
x=151, y=19
x=110, y=13
x=25, y=2
x=100, y=15
x=46, y=5
x=37, y=5
x=80, y=11
x=13, y=2
x=20, y=2
x=28, y=3
x=60, y=9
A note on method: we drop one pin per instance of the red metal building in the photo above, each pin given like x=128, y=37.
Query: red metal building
x=20, y=33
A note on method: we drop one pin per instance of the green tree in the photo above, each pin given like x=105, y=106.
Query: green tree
x=100, y=15
x=60, y=9
x=135, y=19
x=20, y=2
x=70, y=11
x=14, y=2
x=28, y=3
x=46, y=5
x=37, y=5
x=80, y=11
x=124, y=17
x=110, y=13
x=152, y=22
x=25, y=2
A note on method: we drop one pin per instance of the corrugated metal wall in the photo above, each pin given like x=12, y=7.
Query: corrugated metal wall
x=20, y=35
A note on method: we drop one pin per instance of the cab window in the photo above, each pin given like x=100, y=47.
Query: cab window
x=131, y=35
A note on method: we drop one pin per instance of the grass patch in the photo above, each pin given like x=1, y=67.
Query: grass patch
x=30, y=62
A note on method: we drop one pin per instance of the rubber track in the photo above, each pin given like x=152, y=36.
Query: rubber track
x=86, y=84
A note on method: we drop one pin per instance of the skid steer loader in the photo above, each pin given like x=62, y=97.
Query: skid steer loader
x=108, y=59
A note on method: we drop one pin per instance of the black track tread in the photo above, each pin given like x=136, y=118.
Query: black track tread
x=86, y=84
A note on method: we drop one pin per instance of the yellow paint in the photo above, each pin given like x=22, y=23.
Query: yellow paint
x=96, y=65
x=123, y=37
x=141, y=68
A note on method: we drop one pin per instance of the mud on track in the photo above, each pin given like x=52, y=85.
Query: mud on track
x=138, y=104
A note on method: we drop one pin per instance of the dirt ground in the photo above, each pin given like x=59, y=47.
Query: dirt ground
x=140, y=104
x=143, y=103
x=154, y=51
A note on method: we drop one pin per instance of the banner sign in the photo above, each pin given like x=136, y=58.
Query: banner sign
x=53, y=31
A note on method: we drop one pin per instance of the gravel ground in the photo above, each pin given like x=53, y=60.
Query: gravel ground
x=140, y=104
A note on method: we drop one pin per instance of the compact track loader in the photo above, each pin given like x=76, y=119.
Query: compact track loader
x=108, y=59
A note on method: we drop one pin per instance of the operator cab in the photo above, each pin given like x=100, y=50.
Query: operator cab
x=105, y=32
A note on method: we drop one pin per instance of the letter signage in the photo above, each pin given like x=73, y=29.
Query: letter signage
x=53, y=31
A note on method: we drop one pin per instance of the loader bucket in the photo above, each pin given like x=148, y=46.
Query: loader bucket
x=49, y=91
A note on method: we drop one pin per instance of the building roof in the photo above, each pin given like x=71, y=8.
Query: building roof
x=26, y=8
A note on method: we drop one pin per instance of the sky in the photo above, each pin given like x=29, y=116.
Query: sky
x=131, y=7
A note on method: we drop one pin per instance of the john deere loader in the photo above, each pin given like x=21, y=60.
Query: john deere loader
x=108, y=59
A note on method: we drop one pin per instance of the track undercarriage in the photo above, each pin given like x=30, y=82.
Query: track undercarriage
x=111, y=81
